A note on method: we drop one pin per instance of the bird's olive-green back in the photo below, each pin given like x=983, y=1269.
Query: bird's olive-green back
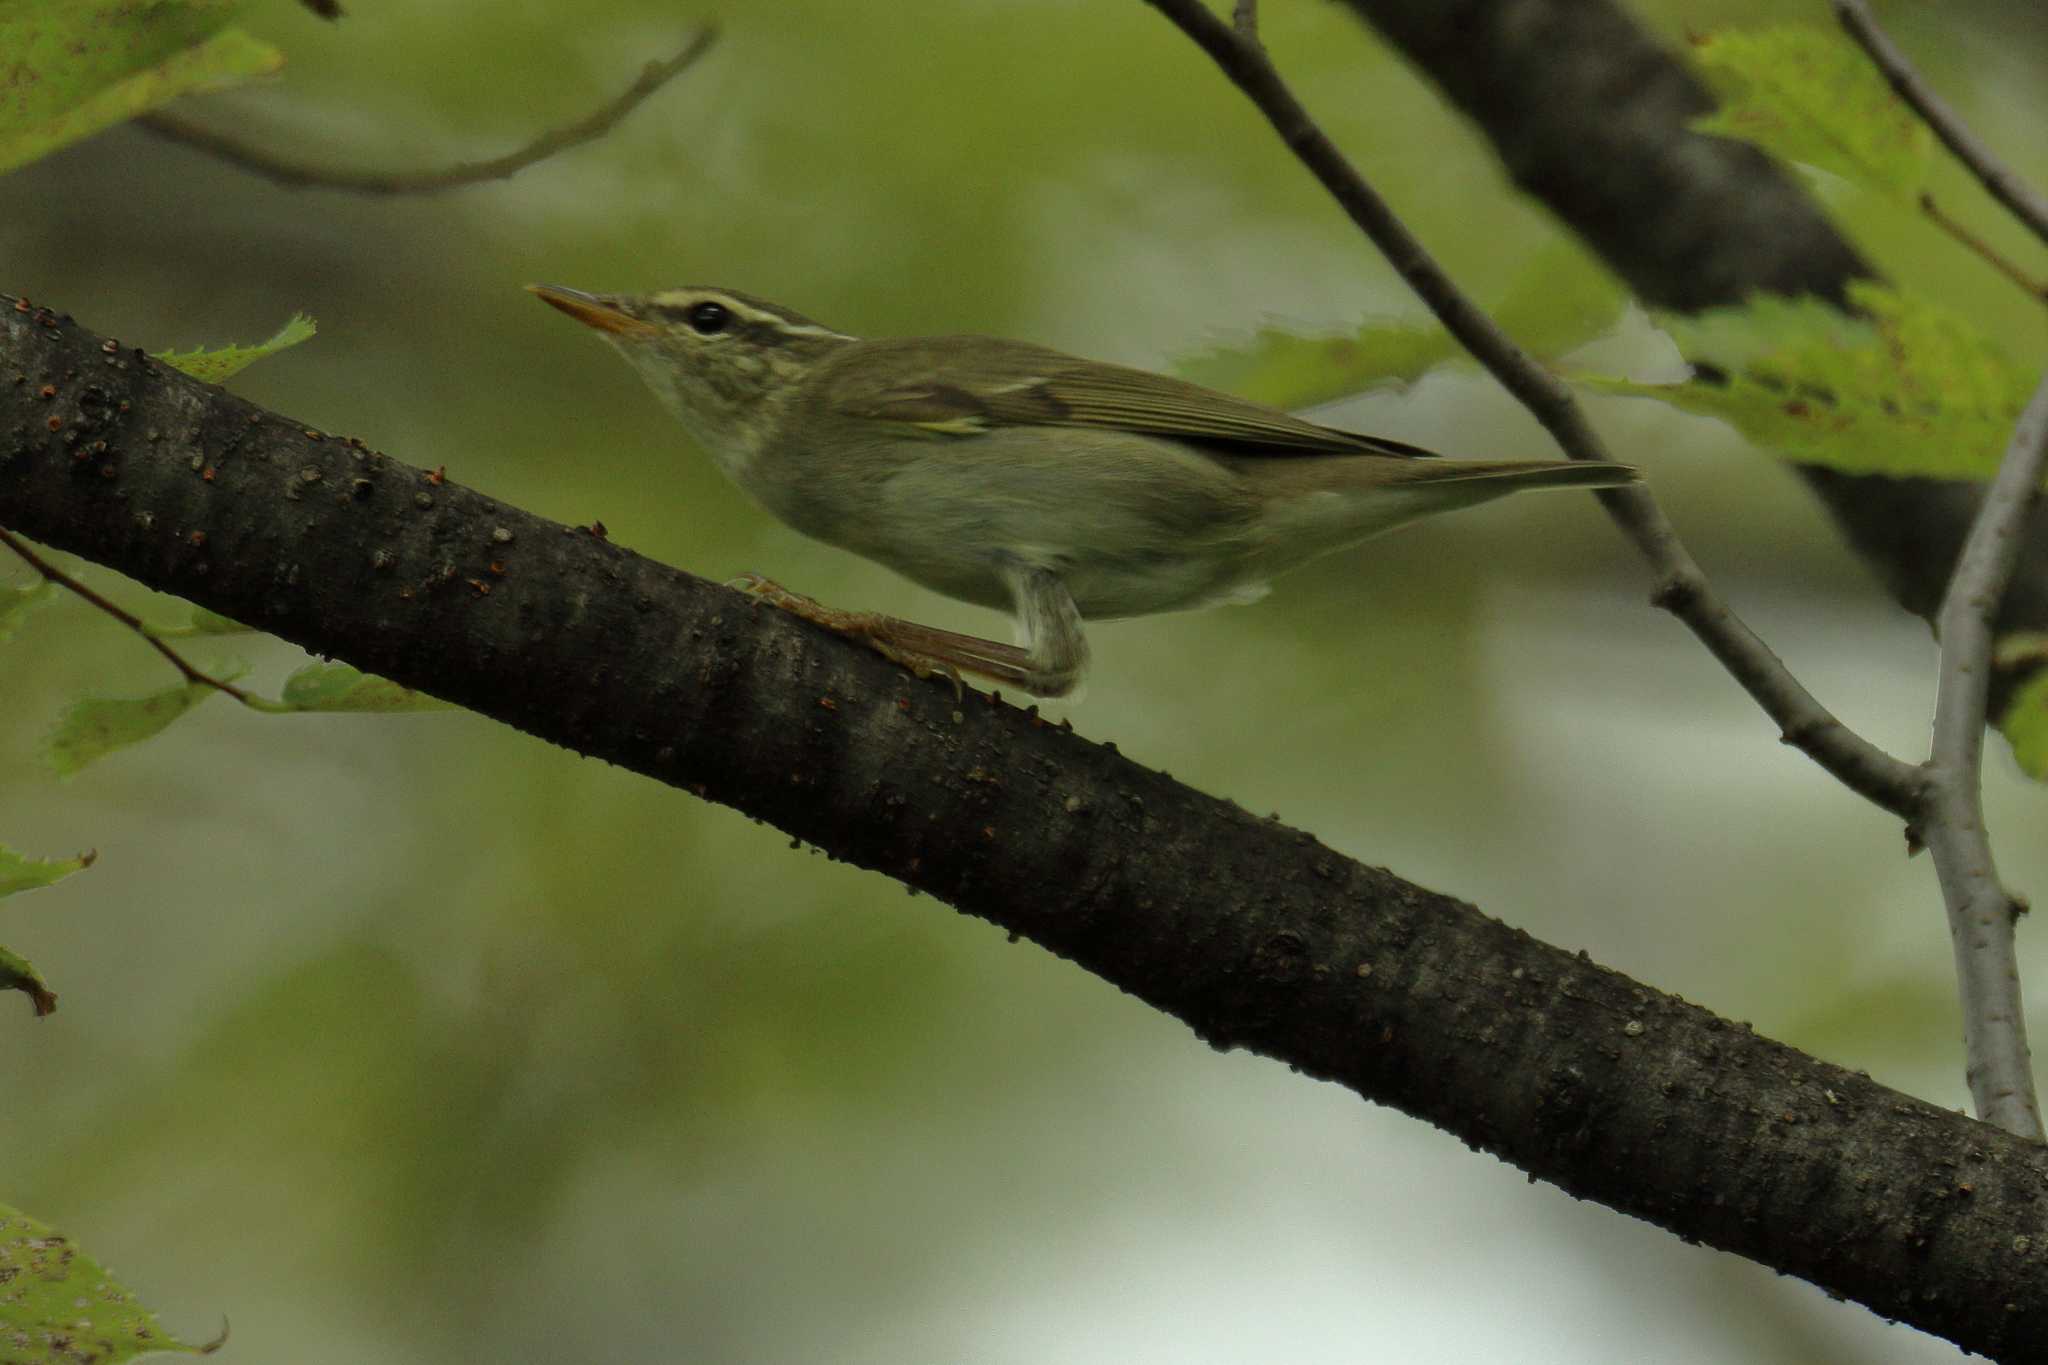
x=966, y=385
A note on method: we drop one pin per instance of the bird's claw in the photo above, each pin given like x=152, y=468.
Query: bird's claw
x=868, y=628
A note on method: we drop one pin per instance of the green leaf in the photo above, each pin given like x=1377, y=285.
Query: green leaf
x=214, y=367
x=1907, y=389
x=91, y=729
x=201, y=622
x=17, y=975
x=19, y=872
x=73, y=67
x=17, y=603
x=1562, y=299
x=2025, y=721
x=1808, y=95
x=59, y=1306
x=337, y=687
x=206, y=622
x=1283, y=370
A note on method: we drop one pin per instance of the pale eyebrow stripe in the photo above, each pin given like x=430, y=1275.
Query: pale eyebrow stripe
x=677, y=298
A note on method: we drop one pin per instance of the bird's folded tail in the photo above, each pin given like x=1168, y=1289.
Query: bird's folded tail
x=1509, y=476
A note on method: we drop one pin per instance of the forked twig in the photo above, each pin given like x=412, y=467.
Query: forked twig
x=1683, y=588
x=2005, y=185
x=127, y=618
x=310, y=175
x=1999, y=1067
x=1984, y=251
x=1981, y=912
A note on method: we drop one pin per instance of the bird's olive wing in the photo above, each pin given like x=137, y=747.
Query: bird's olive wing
x=962, y=386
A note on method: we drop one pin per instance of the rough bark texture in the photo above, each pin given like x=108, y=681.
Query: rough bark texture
x=1253, y=933
x=1589, y=116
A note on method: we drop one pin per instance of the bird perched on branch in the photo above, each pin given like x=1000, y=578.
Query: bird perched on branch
x=1014, y=476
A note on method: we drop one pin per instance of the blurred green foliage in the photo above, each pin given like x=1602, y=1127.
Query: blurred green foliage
x=93, y=727
x=1809, y=96
x=75, y=67
x=2025, y=721
x=1901, y=387
x=409, y=1039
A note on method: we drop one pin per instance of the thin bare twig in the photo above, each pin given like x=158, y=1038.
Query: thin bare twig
x=1683, y=588
x=1981, y=912
x=1990, y=254
x=1244, y=17
x=308, y=175
x=123, y=615
x=2004, y=184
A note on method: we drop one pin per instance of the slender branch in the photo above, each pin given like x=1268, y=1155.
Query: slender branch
x=1683, y=590
x=2004, y=184
x=309, y=175
x=125, y=617
x=1990, y=254
x=1981, y=912
x=1592, y=118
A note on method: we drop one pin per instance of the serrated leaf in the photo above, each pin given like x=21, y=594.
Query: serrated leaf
x=74, y=67
x=94, y=727
x=17, y=603
x=1907, y=389
x=1808, y=95
x=59, y=1306
x=17, y=975
x=19, y=872
x=215, y=366
x=338, y=687
x=206, y=622
x=200, y=622
x=1561, y=299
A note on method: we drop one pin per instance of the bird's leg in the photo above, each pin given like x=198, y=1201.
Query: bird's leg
x=1055, y=650
x=924, y=650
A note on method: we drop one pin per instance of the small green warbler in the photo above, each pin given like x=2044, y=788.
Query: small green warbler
x=1014, y=476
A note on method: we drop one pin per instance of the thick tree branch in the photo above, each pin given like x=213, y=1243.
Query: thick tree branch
x=298, y=174
x=1981, y=912
x=1252, y=933
x=1590, y=116
x=1683, y=587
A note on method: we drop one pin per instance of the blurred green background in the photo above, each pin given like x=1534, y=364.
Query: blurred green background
x=415, y=1039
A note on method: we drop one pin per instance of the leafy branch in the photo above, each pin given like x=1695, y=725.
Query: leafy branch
x=1923, y=794
x=1803, y=94
x=2020, y=199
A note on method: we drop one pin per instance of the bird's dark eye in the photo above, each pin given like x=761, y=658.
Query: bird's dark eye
x=709, y=318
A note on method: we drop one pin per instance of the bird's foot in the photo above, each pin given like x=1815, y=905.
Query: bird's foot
x=888, y=636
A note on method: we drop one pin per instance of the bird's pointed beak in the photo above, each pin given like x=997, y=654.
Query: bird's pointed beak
x=594, y=311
